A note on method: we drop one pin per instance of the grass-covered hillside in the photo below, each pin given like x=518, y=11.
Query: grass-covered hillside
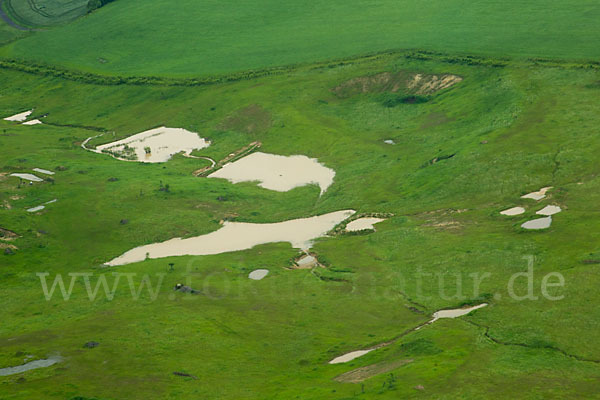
x=191, y=38
x=461, y=155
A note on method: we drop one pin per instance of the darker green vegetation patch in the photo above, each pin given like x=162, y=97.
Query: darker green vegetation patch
x=251, y=119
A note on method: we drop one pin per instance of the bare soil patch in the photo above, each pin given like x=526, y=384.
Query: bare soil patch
x=419, y=84
x=362, y=373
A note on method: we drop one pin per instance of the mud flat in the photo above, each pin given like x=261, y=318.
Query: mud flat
x=363, y=223
x=153, y=146
x=235, y=236
x=28, y=177
x=19, y=117
x=275, y=172
x=258, y=274
x=540, y=223
x=540, y=194
x=29, y=366
x=513, y=211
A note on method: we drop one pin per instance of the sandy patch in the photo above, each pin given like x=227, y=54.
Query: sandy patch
x=275, y=172
x=540, y=223
x=235, y=236
x=350, y=356
x=154, y=146
x=549, y=210
x=540, y=194
x=28, y=177
x=258, y=274
x=513, y=211
x=19, y=117
x=6, y=234
x=33, y=122
x=362, y=223
x=43, y=171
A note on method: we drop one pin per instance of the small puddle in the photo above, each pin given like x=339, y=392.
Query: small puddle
x=362, y=223
x=540, y=223
x=33, y=122
x=549, y=210
x=455, y=313
x=540, y=194
x=513, y=211
x=41, y=207
x=43, y=171
x=28, y=177
x=29, y=366
x=349, y=356
x=19, y=117
x=235, y=236
x=258, y=274
x=153, y=146
x=275, y=172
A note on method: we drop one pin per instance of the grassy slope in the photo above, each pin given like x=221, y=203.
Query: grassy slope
x=271, y=339
x=215, y=36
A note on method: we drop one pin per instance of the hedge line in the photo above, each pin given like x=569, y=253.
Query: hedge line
x=111, y=80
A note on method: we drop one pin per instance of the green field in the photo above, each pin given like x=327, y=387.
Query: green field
x=330, y=80
x=512, y=129
x=193, y=38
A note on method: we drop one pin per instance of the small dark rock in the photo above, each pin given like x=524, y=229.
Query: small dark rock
x=42, y=232
x=415, y=310
x=82, y=172
x=184, y=374
x=124, y=221
x=21, y=380
x=91, y=345
x=113, y=179
x=184, y=289
x=8, y=251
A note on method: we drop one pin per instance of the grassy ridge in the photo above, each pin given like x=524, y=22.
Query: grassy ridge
x=216, y=37
x=512, y=130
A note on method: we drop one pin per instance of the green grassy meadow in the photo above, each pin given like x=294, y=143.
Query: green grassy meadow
x=511, y=125
x=129, y=37
x=512, y=129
